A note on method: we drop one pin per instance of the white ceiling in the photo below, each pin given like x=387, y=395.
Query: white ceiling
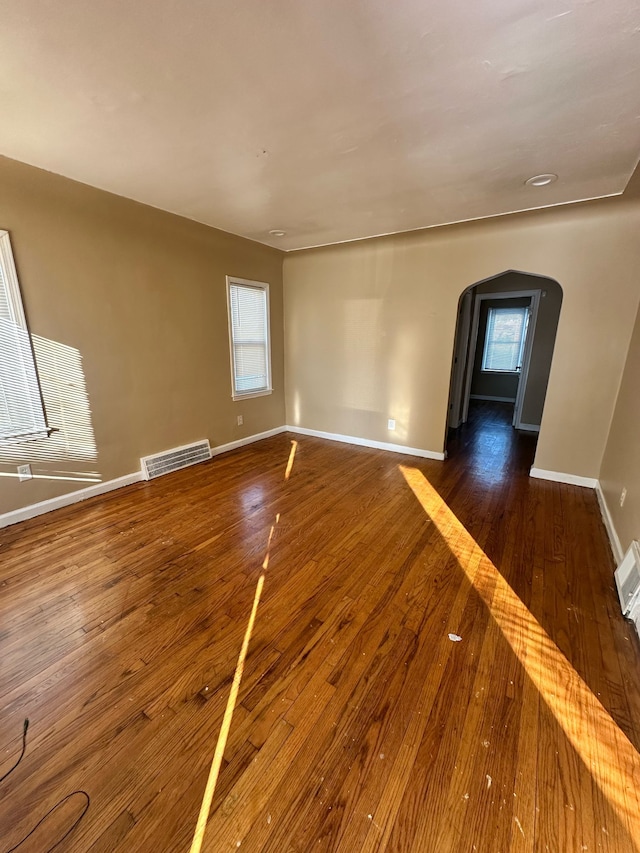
x=329, y=119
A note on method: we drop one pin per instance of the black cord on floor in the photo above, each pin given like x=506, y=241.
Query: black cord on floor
x=24, y=746
x=53, y=808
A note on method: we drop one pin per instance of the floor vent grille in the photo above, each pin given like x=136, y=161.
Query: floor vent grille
x=173, y=460
x=628, y=579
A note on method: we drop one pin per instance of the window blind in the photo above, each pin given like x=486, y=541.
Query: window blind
x=21, y=411
x=504, y=339
x=249, y=323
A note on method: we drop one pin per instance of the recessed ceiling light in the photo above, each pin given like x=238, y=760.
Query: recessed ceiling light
x=541, y=180
x=277, y=233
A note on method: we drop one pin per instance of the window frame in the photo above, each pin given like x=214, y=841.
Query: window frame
x=16, y=308
x=234, y=281
x=523, y=339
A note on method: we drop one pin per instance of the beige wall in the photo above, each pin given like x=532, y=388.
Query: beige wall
x=127, y=306
x=369, y=326
x=621, y=464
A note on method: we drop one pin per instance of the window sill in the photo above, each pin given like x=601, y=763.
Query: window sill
x=502, y=372
x=248, y=394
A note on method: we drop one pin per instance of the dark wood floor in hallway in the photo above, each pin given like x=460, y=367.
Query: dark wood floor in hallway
x=363, y=723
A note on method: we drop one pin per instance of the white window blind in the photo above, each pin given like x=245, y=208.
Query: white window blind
x=249, y=331
x=504, y=339
x=21, y=412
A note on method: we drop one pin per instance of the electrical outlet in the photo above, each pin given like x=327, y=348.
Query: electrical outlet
x=240, y=420
x=391, y=423
x=24, y=472
x=623, y=496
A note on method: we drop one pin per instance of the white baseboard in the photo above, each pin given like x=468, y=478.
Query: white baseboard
x=33, y=510
x=241, y=442
x=40, y=508
x=559, y=477
x=614, y=539
x=529, y=427
x=492, y=399
x=365, y=442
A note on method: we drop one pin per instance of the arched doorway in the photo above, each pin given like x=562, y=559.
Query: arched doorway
x=505, y=336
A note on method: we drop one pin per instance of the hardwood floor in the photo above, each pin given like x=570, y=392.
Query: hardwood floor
x=360, y=725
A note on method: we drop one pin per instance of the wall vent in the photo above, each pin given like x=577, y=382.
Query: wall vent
x=173, y=460
x=628, y=579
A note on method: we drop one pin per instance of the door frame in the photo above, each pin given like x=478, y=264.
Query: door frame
x=460, y=359
x=534, y=295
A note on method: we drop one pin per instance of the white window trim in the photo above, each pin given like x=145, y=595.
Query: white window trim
x=18, y=316
x=11, y=277
x=484, y=347
x=258, y=285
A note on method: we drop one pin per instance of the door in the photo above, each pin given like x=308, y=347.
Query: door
x=460, y=356
x=530, y=330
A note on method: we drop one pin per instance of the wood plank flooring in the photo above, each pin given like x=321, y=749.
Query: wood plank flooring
x=360, y=725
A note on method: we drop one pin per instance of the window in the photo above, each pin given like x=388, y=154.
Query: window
x=249, y=333
x=504, y=339
x=21, y=411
